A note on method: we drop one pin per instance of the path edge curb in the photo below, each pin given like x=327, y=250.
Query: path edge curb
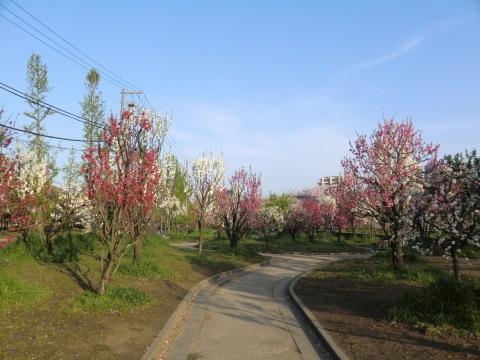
x=319, y=330
x=173, y=320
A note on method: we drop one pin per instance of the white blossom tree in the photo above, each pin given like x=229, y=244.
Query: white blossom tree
x=31, y=192
x=453, y=195
x=208, y=173
x=269, y=219
x=165, y=202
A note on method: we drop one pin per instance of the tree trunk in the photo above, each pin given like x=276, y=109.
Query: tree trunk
x=456, y=264
x=397, y=255
x=137, y=243
x=105, y=275
x=234, y=240
x=311, y=237
x=137, y=250
x=200, y=240
x=49, y=240
x=294, y=235
x=265, y=235
x=26, y=239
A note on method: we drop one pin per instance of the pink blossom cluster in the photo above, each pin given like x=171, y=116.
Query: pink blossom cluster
x=117, y=173
x=383, y=174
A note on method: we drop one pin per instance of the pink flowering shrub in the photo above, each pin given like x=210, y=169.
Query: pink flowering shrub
x=238, y=205
x=383, y=173
x=121, y=175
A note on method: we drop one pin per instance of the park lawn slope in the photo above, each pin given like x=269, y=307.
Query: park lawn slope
x=55, y=314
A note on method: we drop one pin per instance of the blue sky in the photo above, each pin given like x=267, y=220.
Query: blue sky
x=281, y=86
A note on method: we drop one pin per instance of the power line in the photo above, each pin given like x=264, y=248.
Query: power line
x=148, y=102
x=60, y=138
x=174, y=145
x=112, y=81
x=47, y=136
x=178, y=150
x=46, y=105
x=107, y=77
x=81, y=52
x=53, y=146
x=181, y=152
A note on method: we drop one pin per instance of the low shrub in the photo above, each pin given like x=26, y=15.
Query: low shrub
x=443, y=304
x=121, y=299
x=414, y=270
x=68, y=246
x=471, y=252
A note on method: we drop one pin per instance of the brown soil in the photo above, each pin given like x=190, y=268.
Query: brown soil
x=55, y=332
x=353, y=313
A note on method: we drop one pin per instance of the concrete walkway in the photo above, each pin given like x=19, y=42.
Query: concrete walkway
x=247, y=316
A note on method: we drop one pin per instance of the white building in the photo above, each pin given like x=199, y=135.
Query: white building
x=329, y=181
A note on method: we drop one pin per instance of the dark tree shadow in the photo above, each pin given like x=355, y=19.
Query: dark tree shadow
x=81, y=277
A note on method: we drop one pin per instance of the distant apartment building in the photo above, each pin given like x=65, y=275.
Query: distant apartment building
x=329, y=181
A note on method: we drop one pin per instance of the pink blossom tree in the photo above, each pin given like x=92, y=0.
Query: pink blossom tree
x=383, y=172
x=145, y=133
x=296, y=221
x=328, y=213
x=325, y=212
x=8, y=179
x=340, y=222
x=313, y=218
x=347, y=216
x=238, y=205
x=121, y=176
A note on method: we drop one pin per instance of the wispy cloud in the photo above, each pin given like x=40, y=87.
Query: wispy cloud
x=291, y=147
x=406, y=47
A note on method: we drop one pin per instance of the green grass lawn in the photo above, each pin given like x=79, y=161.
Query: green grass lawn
x=283, y=243
x=48, y=302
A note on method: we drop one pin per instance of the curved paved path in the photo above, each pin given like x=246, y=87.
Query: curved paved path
x=247, y=316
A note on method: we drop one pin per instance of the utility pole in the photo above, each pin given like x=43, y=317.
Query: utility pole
x=131, y=104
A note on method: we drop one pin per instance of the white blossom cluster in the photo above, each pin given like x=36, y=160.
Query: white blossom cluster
x=272, y=217
x=73, y=204
x=33, y=172
x=167, y=167
x=173, y=207
x=451, y=205
x=327, y=199
x=154, y=137
x=209, y=168
x=208, y=174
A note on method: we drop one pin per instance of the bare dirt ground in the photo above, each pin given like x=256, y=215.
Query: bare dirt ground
x=39, y=332
x=353, y=314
